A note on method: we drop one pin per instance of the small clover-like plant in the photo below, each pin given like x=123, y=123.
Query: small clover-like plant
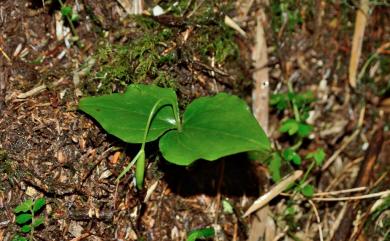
x=212, y=127
x=26, y=217
x=297, y=128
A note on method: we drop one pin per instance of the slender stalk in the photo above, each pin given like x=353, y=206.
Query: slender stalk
x=128, y=167
x=294, y=105
x=307, y=172
x=140, y=169
x=297, y=116
x=32, y=223
x=140, y=165
x=297, y=144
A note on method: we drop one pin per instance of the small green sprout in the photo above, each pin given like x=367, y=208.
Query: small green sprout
x=26, y=217
x=296, y=127
x=201, y=234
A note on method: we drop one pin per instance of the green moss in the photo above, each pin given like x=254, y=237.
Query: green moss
x=157, y=53
x=216, y=41
x=140, y=60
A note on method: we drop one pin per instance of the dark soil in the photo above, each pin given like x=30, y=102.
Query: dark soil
x=48, y=148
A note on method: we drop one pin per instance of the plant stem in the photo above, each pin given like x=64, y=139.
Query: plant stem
x=295, y=108
x=151, y=115
x=297, y=144
x=307, y=172
x=140, y=169
x=128, y=167
x=140, y=163
x=32, y=223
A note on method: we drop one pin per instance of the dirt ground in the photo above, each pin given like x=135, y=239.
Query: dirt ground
x=48, y=148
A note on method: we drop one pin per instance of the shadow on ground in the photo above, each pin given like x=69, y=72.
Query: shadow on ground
x=234, y=176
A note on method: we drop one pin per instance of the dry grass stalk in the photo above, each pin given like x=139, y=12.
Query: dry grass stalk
x=357, y=42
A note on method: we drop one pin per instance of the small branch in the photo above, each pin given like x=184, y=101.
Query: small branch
x=335, y=199
x=357, y=42
x=275, y=191
x=318, y=219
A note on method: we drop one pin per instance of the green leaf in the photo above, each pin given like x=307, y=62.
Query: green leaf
x=66, y=10
x=38, y=204
x=290, y=210
x=304, y=98
x=75, y=17
x=214, y=127
x=258, y=156
x=307, y=191
x=279, y=100
x=291, y=126
x=125, y=115
x=304, y=130
x=201, y=233
x=38, y=221
x=318, y=156
x=291, y=96
x=227, y=207
x=23, y=218
x=26, y=229
x=290, y=155
x=24, y=206
x=19, y=238
x=274, y=166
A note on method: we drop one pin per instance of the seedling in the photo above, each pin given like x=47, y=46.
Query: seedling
x=26, y=217
x=71, y=17
x=297, y=128
x=212, y=127
x=67, y=13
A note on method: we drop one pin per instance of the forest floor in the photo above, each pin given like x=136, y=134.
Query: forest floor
x=50, y=149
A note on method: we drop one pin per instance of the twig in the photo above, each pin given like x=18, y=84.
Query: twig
x=341, y=175
x=371, y=195
x=360, y=25
x=150, y=191
x=337, y=222
x=5, y=55
x=275, y=191
x=344, y=145
x=357, y=189
x=230, y=22
x=318, y=219
x=281, y=235
x=32, y=92
x=347, y=140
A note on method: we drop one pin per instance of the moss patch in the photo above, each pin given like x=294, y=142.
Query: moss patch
x=158, y=52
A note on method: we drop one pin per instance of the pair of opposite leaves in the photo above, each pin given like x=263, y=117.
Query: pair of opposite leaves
x=212, y=127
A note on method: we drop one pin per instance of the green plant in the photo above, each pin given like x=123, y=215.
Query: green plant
x=212, y=127
x=141, y=59
x=285, y=13
x=26, y=216
x=380, y=218
x=298, y=129
x=201, y=233
x=67, y=13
